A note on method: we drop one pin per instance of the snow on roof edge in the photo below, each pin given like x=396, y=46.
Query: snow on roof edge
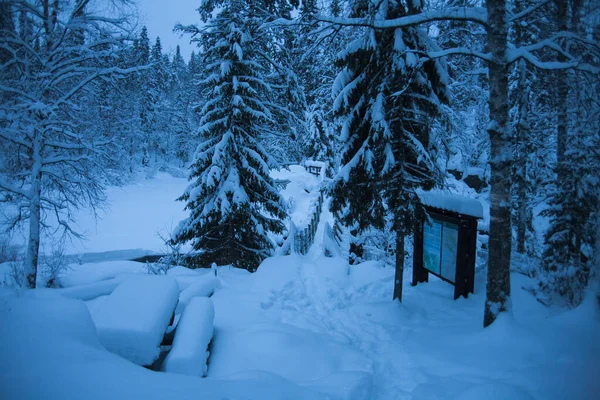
x=452, y=202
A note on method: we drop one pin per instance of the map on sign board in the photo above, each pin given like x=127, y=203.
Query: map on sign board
x=432, y=243
x=449, y=250
x=440, y=246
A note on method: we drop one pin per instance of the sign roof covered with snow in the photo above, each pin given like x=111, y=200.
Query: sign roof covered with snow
x=452, y=202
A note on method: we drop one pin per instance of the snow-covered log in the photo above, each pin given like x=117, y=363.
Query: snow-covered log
x=203, y=287
x=189, y=353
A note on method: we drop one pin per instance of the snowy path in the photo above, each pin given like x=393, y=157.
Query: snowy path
x=331, y=312
x=330, y=307
x=431, y=346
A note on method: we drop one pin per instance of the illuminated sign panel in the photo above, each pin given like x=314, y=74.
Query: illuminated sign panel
x=440, y=246
x=445, y=246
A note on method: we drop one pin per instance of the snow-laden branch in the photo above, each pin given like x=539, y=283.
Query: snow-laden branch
x=554, y=65
x=455, y=51
x=103, y=72
x=529, y=10
x=471, y=14
x=9, y=187
x=64, y=159
x=4, y=133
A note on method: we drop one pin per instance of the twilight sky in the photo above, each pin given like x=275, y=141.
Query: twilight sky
x=160, y=17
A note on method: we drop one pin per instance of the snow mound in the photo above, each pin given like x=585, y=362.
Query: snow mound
x=86, y=273
x=202, y=287
x=91, y=291
x=131, y=322
x=194, y=332
x=50, y=350
x=494, y=391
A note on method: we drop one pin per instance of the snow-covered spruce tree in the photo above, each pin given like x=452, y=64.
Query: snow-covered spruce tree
x=522, y=123
x=387, y=96
x=573, y=203
x=154, y=112
x=143, y=111
x=314, y=55
x=180, y=97
x=460, y=134
x=543, y=54
x=318, y=141
x=232, y=200
x=571, y=208
x=283, y=72
x=51, y=60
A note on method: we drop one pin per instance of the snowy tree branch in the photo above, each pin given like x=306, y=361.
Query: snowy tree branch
x=471, y=14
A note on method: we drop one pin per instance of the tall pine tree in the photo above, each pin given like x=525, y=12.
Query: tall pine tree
x=232, y=200
x=386, y=95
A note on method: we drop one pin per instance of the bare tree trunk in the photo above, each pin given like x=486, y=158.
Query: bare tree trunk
x=522, y=129
x=399, y=261
x=33, y=243
x=562, y=92
x=595, y=270
x=498, y=282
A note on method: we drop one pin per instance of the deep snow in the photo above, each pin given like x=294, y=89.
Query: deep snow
x=304, y=327
x=132, y=320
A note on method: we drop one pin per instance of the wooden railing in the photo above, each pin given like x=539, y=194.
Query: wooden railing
x=336, y=240
x=304, y=238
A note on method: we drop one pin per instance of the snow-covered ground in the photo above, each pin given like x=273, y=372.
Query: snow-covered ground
x=303, y=327
x=131, y=222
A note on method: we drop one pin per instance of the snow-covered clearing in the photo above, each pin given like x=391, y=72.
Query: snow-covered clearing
x=128, y=226
x=304, y=327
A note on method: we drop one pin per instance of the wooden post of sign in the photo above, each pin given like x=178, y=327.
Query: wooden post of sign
x=462, y=258
x=472, y=255
x=420, y=274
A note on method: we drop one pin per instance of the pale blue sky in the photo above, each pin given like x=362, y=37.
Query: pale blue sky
x=161, y=16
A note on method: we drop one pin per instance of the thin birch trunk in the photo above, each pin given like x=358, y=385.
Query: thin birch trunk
x=33, y=242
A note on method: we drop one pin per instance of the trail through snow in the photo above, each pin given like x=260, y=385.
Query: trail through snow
x=322, y=292
x=431, y=346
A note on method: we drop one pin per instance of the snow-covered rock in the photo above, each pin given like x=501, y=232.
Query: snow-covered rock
x=194, y=332
x=132, y=321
